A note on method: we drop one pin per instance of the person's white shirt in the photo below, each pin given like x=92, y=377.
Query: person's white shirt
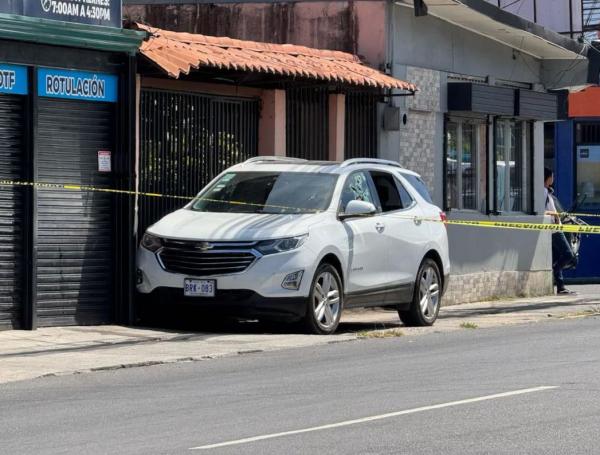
x=551, y=207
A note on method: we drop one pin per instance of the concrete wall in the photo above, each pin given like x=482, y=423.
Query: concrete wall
x=431, y=43
x=357, y=27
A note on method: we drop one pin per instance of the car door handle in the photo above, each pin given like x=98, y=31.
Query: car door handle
x=417, y=221
x=380, y=227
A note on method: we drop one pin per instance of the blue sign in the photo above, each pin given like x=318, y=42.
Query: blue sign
x=78, y=85
x=13, y=79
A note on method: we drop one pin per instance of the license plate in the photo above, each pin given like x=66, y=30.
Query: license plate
x=199, y=288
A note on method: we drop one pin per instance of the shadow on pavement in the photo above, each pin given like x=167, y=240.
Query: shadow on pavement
x=185, y=319
x=449, y=312
x=201, y=322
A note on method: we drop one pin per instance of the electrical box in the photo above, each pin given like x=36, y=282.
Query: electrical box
x=394, y=118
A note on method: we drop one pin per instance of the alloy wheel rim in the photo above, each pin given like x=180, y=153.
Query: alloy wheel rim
x=429, y=293
x=326, y=300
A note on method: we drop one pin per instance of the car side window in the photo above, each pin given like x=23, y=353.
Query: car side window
x=407, y=199
x=387, y=190
x=356, y=188
x=418, y=185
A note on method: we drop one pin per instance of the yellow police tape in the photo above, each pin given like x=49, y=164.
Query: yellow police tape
x=571, y=228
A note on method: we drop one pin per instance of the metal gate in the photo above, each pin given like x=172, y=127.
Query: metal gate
x=12, y=162
x=361, y=125
x=185, y=141
x=73, y=271
x=307, y=123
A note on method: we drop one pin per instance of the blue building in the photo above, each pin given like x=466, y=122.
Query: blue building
x=575, y=156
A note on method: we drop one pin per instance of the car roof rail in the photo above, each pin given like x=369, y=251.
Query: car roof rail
x=274, y=159
x=354, y=161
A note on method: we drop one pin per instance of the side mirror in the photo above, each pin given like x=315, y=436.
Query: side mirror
x=356, y=209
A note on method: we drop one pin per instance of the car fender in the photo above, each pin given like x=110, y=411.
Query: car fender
x=338, y=253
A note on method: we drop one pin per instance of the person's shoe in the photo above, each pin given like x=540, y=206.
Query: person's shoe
x=565, y=291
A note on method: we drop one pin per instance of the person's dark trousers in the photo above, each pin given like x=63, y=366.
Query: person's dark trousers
x=562, y=254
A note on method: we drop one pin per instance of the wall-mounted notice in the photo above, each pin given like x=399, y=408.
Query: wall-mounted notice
x=104, y=161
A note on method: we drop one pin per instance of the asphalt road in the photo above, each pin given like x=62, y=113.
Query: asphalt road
x=440, y=394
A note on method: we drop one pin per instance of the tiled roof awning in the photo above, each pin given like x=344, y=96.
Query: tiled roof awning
x=179, y=53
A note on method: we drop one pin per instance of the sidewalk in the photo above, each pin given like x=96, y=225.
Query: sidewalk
x=71, y=350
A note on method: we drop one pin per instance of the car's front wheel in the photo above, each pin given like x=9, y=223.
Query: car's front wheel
x=427, y=296
x=325, y=302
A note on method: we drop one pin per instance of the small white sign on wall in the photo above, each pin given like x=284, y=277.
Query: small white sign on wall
x=104, y=161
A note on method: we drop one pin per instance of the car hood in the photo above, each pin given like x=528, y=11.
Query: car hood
x=191, y=225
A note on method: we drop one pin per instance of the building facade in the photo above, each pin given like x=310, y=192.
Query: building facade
x=65, y=121
x=479, y=130
x=475, y=128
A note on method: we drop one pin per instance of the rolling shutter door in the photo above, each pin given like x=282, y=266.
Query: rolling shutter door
x=11, y=211
x=74, y=265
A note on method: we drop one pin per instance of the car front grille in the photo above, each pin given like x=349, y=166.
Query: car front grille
x=206, y=258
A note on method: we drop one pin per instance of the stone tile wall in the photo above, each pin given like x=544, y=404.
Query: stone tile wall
x=474, y=287
x=417, y=139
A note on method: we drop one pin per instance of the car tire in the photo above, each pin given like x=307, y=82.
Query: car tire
x=427, y=297
x=325, y=302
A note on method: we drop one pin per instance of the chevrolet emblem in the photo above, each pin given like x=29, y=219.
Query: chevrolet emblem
x=204, y=246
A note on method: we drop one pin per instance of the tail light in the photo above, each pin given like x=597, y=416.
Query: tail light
x=444, y=218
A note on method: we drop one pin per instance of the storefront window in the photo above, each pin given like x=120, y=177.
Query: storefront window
x=588, y=176
x=587, y=136
x=465, y=156
x=469, y=167
x=513, y=163
x=451, y=165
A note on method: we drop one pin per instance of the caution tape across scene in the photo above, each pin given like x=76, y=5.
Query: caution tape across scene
x=571, y=228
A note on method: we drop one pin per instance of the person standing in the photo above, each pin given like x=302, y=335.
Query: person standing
x=562, y=254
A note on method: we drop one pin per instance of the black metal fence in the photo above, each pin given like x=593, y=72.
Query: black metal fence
x=307, y=123
x=361, y=125
x=185, y=141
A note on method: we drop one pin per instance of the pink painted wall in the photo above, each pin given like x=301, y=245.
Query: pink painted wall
x=351, y=26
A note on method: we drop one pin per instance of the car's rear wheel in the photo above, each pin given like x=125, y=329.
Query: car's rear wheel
x=427, y=297
x=325, y=302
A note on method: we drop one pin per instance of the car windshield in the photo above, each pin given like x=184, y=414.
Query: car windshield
x=268, y=192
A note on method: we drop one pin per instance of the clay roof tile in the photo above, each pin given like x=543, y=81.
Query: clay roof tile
x=177, y=53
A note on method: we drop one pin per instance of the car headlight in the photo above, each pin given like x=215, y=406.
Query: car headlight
x=281, y=245
x=151, y=242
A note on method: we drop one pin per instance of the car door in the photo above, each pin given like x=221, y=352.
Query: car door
x=403, y=230
x=365, y=240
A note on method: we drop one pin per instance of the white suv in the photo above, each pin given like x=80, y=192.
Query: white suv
x=296, y=239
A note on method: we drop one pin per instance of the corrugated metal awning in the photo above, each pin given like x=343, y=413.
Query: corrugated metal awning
x=179, y=53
